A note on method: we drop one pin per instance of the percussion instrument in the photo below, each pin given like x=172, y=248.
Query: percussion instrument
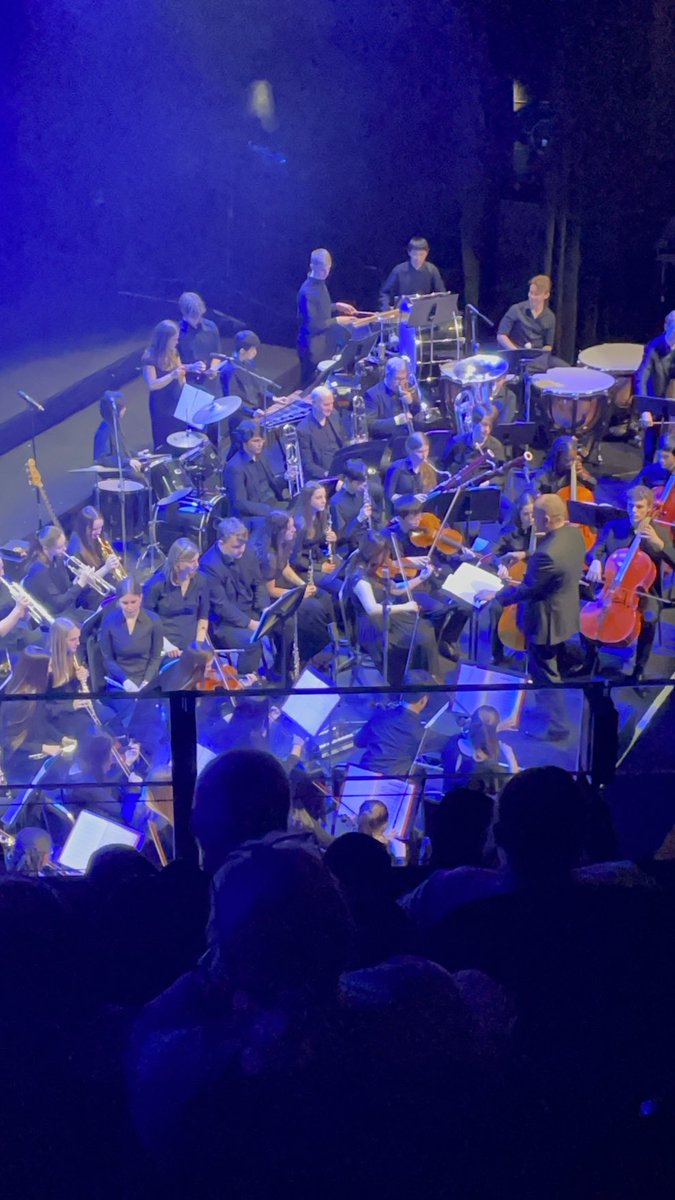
x=573, y=399
x=202, y=463
x=169, y=481
x=112, y=495
x=194, y=517
x=619, y=359
x=186, y=439
x=217, y=410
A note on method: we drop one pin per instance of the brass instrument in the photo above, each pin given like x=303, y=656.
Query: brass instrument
x=359, y=421
x=118, y=573
x=291, y=448
x=78, y=569
x=36, y=611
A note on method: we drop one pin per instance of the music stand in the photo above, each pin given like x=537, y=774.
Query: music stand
x=662, y=408
x=371, y=453
x=278, y=614
x=596, y=516
x=479, y=504
x=518, y=435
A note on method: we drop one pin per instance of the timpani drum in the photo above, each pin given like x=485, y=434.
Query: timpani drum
x=133, y=499
x=619, y=359
x=573, y=400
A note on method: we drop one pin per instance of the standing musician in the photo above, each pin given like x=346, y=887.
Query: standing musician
x=88, y=544
x=199, y=343
x=315, y=539
x=48, y=578
x=130, y=640
x=252, y=489
x=26, y=734
x=354, y=508
x=412, y=475
x=179, y=596
x=556, y=470
x=394, y=401
x=110, y=444
x=530, y=324
x=165, y=375
x=656, y=377
x=416, y=277
x=479, y=440
x=237, y=593
x=548, y=600
x=319, y=317
x=315, y=614
x=618, y=535
x=319, y=435
x=371, y=590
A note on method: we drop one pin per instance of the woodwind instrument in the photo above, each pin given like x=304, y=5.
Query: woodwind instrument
x=330, y=552
x=367, y=502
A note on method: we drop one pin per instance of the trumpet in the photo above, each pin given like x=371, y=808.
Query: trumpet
x=118, y=573
x=36, y=611
x=78, y=569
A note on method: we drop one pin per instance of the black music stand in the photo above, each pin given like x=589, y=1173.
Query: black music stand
x=596, y=516
x=371, y=453
x=662, y=408
x=478, y=504
x=277, y=615
x=518, y=435
x=433, y=311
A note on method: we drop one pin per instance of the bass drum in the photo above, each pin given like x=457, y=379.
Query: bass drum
x=194, y=517
x=134, y=500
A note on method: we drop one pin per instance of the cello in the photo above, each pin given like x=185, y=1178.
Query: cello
x=575, y=491
x=664, y=509
x=614, y=617
x=510, y=636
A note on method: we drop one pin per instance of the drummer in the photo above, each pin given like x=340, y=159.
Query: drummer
x=417, y=277
x=656, y=377
x=239, y=379
x=110, y=444
x=530, y=324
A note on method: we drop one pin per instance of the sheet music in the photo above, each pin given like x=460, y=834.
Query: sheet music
x=190, y=400
x=468, y=580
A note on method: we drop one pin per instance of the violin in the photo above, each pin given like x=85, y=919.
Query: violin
x=391, y=570
x=575, y=491
x=448, y=541
x=220, y=677
x=614, y=617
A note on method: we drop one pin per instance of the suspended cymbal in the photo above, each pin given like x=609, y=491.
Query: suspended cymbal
x=480, y=368
x=186, y=439
x=217, y=410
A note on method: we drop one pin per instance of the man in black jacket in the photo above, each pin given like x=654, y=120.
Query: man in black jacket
x=656, y=377
x=319, y=318
x=548, y=604
x=252, y=489
x=393, y=402
x=236, y=593
x=319, y=435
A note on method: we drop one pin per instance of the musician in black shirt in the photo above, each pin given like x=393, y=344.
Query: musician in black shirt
x=417, y=277
x=131, y=640
x=530, y=324
x=319, y=318
x=412, y=475
x=110, y=444
x=238, y=378
x=199, y=341
x=237, y=593
x=354, y=509
x=393, y=735
x=251, y=487
x=466, y=447
x=656, y=377
x=48, y=578
x=394, y=402
x=180, y=597
x=319, y=435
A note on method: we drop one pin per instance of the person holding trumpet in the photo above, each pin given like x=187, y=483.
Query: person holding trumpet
x=48, y=578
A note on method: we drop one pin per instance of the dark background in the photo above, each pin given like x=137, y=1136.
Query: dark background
x=131, y=162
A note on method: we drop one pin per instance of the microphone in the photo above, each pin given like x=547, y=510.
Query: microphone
x=29, y=400
x=113, y=397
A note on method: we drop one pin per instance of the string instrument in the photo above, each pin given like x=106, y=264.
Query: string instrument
x=575, y=491
x=614, y=617
x=35, y=479
x=390, y=569
x=222, y=677
x=430, y=536
x=510, y=636
x=664, y=508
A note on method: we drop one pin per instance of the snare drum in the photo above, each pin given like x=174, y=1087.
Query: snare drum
x=194, y=517
x=203, y=466
x=619, y=359
x=169, y=481
x=134, y=501
x=573, y=400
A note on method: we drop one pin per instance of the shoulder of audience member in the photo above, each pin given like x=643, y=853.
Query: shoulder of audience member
x=445, y=891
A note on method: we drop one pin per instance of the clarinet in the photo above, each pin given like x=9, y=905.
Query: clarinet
x=367, y=502
x=330, y=553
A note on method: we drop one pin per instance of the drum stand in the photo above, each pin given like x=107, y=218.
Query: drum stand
x=114, y=398
x=153, y=557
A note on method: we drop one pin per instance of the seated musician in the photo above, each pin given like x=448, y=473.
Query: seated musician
x=320, y=435
x=130, y=640
x=657, y=474
x=416, y=277
x=252, y=489
x=237, y=594
x=465, y=447
x=412, y=475
x=86, y=542
x=315, y=537
x=239, y=379
x=393, y=402
x=530, y=324
x=556, y=469
x=67, y=678
x=391, y=738
x=354, y=507
x=48, y=578
x=656, y=377
x=179, y=596
x=27, y=733
x=188, y=672
x=106, y=778
x=315, y=615
x=110, y=444
x=370, y=589
x=319, y=318
x=199, y=343
x=478, y=759
x=14, y=624
x=657, y=544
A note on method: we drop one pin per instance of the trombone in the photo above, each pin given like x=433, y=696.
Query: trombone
x=36, y=611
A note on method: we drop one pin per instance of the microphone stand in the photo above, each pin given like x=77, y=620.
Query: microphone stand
x=120, y=478
x=473, y=313
x=254, y=375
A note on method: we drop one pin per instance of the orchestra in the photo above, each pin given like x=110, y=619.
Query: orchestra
x=348, y=497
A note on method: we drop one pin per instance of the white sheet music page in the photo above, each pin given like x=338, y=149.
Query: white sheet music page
x=467, y=581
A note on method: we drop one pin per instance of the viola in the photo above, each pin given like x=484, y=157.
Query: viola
x=391, y=570
x=614, y=617
x=448, y=541
x=576, y=491
x=221, y=677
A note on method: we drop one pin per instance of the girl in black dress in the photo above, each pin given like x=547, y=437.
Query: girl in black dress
x=180, y=597
x=131, y=640
x=165, y=374
x=274, y=545
x=315, y=536
x=27, y=736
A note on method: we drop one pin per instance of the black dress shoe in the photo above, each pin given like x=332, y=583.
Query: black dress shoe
x=449, y=650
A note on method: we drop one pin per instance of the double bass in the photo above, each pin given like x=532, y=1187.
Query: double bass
x=614, y=617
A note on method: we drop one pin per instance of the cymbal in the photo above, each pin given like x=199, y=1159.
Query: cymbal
x=186, y=439
x=480, y=368
x=217, y=410
x=94, y=467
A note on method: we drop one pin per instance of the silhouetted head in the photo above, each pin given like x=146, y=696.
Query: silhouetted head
x=241, y=795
